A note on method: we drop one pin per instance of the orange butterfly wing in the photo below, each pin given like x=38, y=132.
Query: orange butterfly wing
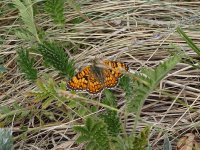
x=113, y=73
x=94, y=85
x=88, y=80
x=85, y=80
x=80, y=80
x=110, y=80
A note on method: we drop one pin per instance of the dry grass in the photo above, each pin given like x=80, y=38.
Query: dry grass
x=139, y=33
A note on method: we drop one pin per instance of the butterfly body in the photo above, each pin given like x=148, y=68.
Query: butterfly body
x=96, y=77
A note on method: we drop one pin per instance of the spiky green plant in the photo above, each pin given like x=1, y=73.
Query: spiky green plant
x=6, y=141
x=110, y=117
x=147, y=80
x=56, y=10
x=138, y=86
x=46, y=93
x=26, y=64
x=24, y=34
x=94, y=133
x=55, y=56
x=112, y=121
x=137, y=142
x=14, y=110
x=140, y=142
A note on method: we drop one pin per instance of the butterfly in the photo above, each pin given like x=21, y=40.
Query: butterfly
x=95, y=78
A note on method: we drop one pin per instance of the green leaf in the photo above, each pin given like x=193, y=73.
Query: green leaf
x=147, y=80
x=26, y=64
x=137, y=142
x=94, y=133
x=55, y=56
x=80, y=129
x=41, y=85
x=109, y=99
x=82, y=111
x=62, y=85
x=111, y=117
x=89, y=124
x=112, y=121
x=82, y=139
x=5, y=109
x=127, y=85
x=56, y=10
x=47, y=102
x=24, y=34
x=14, y=110
x=26, y=13
x=188, y=40
x=46, y=93
x=91, y=146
